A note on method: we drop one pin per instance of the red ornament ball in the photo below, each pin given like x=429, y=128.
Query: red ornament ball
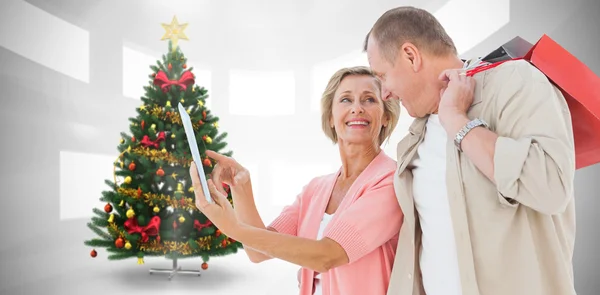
x=108, y=208
x=133, y=139
x=119, y=243
x=184, y=66
x=132, y=166
x=204, y=266
x=160, y=172
x=224, y=243
x=153, y=75
x=206, y=162
x=93, y=253
x=170, y=67
x=218, y=233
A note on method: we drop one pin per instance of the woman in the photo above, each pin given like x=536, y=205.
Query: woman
x=343, y=227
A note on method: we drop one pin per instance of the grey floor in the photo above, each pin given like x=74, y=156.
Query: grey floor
x=59, y=263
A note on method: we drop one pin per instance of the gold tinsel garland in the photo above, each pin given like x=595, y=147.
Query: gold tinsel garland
x=173, y=117
x=156, y=155
x=151, y=199
x=184, y=248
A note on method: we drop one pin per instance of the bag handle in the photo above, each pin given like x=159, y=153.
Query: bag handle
x=488, y=66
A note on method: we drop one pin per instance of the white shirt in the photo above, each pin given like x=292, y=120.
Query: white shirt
x=439, y=262
x=326, y=219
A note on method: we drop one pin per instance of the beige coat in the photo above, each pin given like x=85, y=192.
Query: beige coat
x=516, y=236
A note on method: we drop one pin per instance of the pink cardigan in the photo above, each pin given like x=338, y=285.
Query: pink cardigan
x=366, y=224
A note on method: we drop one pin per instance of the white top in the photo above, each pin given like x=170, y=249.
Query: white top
x=324, y=221
x=439, y=262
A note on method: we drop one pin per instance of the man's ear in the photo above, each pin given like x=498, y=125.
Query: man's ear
x=412, y=55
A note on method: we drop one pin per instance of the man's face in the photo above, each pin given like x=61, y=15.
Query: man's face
x=399, y=80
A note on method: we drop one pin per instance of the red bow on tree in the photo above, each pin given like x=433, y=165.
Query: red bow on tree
x=161, y=79
x=148, y=143
x=132, y=227
x=200, y=226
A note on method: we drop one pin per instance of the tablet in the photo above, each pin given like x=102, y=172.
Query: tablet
x=191, y=136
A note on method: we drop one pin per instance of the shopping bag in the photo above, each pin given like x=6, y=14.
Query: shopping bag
x=579, y=85
x=513, y=49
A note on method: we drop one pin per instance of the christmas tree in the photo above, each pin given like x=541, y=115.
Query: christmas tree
x=150, y=207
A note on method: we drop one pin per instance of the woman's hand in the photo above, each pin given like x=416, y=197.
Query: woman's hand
x=228, y=170
x=220, y=213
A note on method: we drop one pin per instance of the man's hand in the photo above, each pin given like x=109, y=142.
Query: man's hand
x=455, y=99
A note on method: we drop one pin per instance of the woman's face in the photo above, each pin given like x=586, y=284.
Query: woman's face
x=357, y=110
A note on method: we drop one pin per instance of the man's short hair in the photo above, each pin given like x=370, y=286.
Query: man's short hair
x=409, y=24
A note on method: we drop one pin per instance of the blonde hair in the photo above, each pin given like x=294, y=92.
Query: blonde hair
x=391, y=107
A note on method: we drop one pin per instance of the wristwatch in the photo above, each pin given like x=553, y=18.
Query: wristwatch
x=466, y=129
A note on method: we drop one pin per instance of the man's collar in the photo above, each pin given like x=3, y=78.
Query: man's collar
x=418, y=125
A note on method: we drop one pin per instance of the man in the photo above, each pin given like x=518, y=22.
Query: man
x=488, y=167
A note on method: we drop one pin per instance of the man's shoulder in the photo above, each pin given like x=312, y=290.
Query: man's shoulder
x=518, y=78
x=517, y=72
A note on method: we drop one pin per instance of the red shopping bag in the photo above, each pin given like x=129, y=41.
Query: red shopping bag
x=579, y=85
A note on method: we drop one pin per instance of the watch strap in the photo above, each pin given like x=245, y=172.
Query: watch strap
x=466, y=129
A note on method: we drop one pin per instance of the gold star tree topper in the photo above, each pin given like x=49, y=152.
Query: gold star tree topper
x=174, y=31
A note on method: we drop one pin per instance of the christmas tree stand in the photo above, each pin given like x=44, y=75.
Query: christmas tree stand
x=176, y=270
